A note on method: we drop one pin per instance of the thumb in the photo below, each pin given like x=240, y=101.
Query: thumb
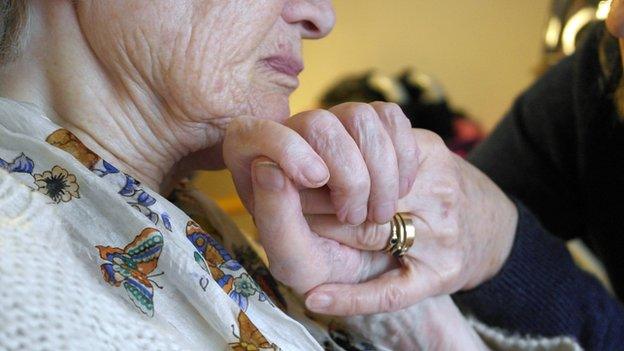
x=283, y=231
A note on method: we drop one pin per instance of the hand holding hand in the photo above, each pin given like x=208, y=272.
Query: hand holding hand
x=464, y=223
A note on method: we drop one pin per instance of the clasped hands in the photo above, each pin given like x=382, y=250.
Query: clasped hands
x=323, y=186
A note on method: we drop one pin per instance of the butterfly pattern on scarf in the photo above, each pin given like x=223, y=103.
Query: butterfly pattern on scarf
x=131, y=266
x=223, y=268
x=211, y=256
x=250, y=338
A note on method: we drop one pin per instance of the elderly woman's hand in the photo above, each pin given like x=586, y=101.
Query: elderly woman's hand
x=464, y=223
x=366, y=148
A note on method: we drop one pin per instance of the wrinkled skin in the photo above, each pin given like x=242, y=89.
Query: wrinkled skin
x=205, y=58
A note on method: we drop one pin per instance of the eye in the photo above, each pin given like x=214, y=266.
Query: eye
x=200, y=242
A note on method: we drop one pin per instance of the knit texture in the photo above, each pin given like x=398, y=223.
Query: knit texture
x=47, y=301
x=498, y=339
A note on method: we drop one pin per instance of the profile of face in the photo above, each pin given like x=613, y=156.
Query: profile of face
x=205, y=60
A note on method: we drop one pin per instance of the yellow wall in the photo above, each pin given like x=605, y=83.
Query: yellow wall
x=483, y=51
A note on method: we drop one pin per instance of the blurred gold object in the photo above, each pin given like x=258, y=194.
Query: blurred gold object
x=402, y=234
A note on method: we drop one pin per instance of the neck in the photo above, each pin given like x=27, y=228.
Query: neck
x=116, y=116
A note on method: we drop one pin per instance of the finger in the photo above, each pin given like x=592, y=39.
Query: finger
x=392, y=291
x=297, y=257
x=399, y=128
x=349, y=181
x=367, y=236
x=247, y=138
x=317, y=201
x=365, y=127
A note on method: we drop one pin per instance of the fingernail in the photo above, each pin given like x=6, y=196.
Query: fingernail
x=357, y=216
x=318, y=302
x=382, y=213
x=315, y=173
x=269, y=176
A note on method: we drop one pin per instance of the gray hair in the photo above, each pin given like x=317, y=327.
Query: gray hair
x=13, y=18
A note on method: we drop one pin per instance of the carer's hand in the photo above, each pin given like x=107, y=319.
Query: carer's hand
x=465, y=228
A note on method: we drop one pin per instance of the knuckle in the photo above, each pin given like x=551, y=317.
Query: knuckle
x=355, y=304
x=394, y=110
x=431, y=138
x=395, y=116
x=446, y=190
x=451, y=270
x=392, y=298
x=319, y=122
x=361, y=115
x=359, y=185
x=449, y=234
x=370, y=235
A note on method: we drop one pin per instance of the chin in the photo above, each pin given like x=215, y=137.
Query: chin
x=274, y=107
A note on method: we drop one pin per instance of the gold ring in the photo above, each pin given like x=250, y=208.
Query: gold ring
x=402, y=234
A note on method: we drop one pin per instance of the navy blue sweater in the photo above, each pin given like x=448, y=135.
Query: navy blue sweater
x=560, y=152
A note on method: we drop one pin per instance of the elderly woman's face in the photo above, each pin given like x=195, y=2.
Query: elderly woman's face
x=207, y=59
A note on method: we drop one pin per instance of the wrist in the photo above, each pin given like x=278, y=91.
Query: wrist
x=491, y=219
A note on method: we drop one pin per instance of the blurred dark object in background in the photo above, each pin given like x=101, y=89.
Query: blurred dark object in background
x=566, y=27
x=421, y=97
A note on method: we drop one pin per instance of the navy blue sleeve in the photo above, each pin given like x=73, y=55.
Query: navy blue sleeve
x=540, y=291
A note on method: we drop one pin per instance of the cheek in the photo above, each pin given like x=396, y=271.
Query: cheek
x=615, y=20
x=212, y=69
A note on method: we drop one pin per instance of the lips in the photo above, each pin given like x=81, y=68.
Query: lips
x=288, y=65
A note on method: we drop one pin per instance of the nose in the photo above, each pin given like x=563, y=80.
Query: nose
x=314, y=18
